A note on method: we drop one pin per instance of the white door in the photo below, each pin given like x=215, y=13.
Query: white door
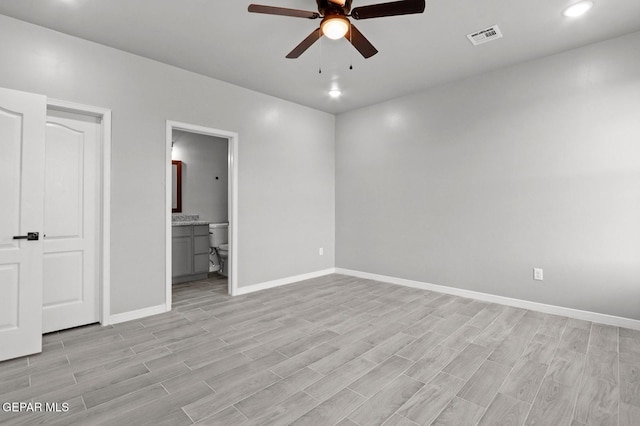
x=22, y=139
x=71, y=209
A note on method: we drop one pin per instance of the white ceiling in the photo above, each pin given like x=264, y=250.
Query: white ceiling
x=222, y=40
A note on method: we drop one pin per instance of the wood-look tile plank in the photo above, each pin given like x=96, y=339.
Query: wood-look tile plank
x=597, y=402
x=339, y=378
x=256, y=404
x=553, y=405
x=166, y=410
x=505, y=410
x=427, y=367
x=331, y=410
x=459, y=412
x=212, y=404
x=493, y=334
x=12, y=385
x=508, y=352
x=553, y=325
x=55, y=391
x=229, y=377
x=574, y=339
x=566, y=367
x=227, y=417
x=483, y=386
x=123, y=387
x=398, y=420
x=629, y=415
x=347, y=422
x=286, y=412
x=459, y=339
x=541, y=348
x=473, y=308
x=389, y=347
x=344, y=328
x=467, y=361
x=486, y=316
x=576, y=323
x=630, y=378
x=196, y=375
x=450, y=324
x=340, y=357
x=385, y=403
x=603, y=338
x=528, y=326
x=383, y=333
x=380, y=376
x=419, y=347
x=304, y=359
x=604, y=366
x=419, y=328
x=48, y=364
x=429, y=401
x=524, y=380
x=119, y=405
x=629, y=340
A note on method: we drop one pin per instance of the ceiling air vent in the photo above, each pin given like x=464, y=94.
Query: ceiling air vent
x=484, y=36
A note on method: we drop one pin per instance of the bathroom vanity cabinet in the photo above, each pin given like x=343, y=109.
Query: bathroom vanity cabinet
x=189, y=253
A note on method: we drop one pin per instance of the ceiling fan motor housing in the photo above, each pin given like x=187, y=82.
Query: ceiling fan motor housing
x=337, y=7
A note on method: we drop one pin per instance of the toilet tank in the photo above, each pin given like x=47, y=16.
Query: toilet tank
x=218, y=234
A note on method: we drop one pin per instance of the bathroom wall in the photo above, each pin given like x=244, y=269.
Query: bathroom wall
x=285, y=162
x=204, y=174
x=473, y=184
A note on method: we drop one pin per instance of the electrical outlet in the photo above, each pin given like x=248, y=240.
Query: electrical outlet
x=538, y=274
x=321, y=251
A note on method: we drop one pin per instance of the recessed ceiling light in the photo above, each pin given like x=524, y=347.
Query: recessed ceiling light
x=578, y=9
x=335, y=93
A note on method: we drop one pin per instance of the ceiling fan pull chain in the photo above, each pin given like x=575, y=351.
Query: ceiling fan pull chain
x=320, y=52
x=350, y=50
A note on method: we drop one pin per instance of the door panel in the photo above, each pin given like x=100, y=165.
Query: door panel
x=63, y=276
x=22, y=139
x=64, y=171
x=9, y=288
x=70, y=221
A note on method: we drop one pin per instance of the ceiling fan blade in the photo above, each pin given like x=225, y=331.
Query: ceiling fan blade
x=305, y=44
x=283, y=11
x=404, y=7
x=360, y=42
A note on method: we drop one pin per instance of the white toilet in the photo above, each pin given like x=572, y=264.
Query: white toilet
x=219, y=244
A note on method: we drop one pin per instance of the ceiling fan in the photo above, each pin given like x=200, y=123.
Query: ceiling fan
x=335, y=20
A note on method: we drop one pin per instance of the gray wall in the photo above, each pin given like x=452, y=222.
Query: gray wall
x=203, y=159
x=286, y=157
x=473, y=184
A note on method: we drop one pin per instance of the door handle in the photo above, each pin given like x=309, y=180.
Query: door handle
x=31, y=236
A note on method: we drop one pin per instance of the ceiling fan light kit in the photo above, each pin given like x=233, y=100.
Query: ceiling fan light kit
x=335, y=20
x=335, y=27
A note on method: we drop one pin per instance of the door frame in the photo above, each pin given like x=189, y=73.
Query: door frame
x=232, y=194
x=104, y=219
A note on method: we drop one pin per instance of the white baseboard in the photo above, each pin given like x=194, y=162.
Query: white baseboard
x=134, y=315
x=283, y=281
x=517, y=303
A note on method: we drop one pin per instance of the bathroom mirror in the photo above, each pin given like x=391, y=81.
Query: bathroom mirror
x=176, y=173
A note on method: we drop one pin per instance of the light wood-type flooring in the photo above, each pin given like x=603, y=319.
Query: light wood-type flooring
x=332, y=350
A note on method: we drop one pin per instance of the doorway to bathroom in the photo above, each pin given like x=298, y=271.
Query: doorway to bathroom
x=201, y=168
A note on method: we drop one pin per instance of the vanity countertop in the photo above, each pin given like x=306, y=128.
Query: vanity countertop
x=187, y=220
x=190, y=222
